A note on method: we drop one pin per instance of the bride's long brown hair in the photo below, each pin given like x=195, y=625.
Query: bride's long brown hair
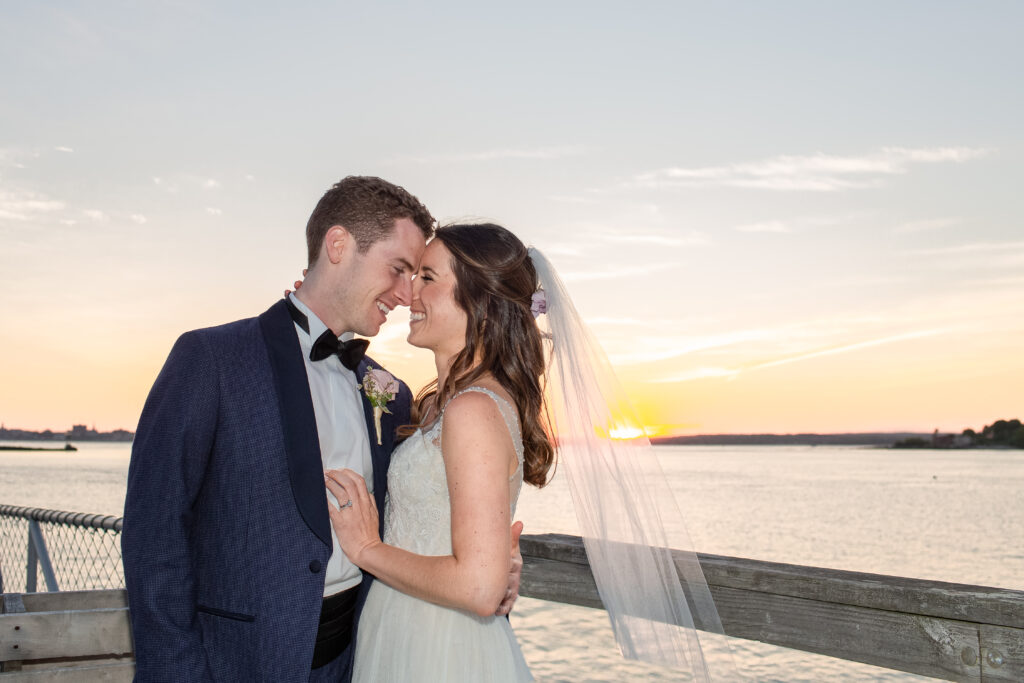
x=494, y=284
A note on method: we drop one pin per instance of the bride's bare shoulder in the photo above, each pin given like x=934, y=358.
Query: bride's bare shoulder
x=476, y=415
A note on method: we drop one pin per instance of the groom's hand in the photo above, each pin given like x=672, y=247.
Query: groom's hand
x=515, y=573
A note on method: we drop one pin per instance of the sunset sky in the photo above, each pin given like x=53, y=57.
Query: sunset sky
x=778, y=217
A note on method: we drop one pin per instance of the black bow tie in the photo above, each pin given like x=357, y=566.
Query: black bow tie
x=350, y=352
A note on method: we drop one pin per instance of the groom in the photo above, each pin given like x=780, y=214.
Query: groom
x=232, y=569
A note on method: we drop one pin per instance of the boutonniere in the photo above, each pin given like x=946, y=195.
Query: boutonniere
x=380, y=388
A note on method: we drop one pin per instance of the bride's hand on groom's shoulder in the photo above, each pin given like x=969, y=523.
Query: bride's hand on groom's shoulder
x=355, y=518
x=297, y=283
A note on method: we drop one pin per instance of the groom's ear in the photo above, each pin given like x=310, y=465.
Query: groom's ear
x=336, y=242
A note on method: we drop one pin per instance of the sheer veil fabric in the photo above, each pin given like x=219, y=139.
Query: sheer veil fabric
x=660, y=607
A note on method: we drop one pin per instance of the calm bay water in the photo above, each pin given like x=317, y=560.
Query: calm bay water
x=952, y=516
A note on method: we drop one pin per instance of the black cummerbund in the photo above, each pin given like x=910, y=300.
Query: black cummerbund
x=337, y=616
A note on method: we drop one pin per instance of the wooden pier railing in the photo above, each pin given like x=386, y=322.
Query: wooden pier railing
x=943, y=630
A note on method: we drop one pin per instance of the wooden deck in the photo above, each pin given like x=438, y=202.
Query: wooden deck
x=943, y=630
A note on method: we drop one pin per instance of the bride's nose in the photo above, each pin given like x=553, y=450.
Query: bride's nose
x=416, y=287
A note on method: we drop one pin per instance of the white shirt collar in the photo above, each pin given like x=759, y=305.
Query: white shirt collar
x=316, y=326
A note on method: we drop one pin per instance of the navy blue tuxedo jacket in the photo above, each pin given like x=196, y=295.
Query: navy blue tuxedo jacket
x=226, y=533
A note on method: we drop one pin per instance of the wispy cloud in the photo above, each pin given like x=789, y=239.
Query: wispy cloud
x=846, y=348
x=138, y=219
x=594, y=238
x=211, y=184
x=574, y=199
x=808, y=173
x=24, y=206
x=62, y=148
x=731, y=373
x=213, y=211
x=972, y=248
x=169, y=187
x=766, y=226
x=657, y=349
x=1013, y=281
x=613, y=273
x=537, y=153
x=95, y=215
x=12, y=158
x=661, y=240
x=626, y=322
x=926, y=225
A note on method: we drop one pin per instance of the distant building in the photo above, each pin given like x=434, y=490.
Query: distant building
x=963, y=441
x=82, y=433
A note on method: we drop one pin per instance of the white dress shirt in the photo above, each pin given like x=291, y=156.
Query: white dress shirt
x=341, y=426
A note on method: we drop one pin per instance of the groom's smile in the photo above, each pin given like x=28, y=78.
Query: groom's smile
x=380, y=279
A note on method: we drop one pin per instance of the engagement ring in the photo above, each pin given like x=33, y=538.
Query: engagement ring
x=346, y=504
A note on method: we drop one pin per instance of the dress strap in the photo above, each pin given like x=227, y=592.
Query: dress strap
x=508, y=413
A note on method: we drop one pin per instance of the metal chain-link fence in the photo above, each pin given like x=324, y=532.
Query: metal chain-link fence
x=71, y=550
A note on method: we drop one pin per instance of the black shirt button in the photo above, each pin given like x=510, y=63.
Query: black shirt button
x=315, y=566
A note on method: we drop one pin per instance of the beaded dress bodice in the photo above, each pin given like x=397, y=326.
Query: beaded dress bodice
x=417, y=514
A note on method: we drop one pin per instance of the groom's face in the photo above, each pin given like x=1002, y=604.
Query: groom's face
x=380, y=280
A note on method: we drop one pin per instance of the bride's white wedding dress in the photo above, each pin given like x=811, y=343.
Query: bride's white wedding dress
x=402, y=638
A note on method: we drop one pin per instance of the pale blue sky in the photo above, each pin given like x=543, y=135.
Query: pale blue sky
x=808, y=189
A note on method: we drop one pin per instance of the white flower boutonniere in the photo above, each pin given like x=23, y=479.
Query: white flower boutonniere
x=380, y=388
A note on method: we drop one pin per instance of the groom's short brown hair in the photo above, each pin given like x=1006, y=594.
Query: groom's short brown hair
x=367, y=207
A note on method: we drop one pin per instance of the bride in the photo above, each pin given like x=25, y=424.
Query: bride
x=442, y=566
x=483, y=427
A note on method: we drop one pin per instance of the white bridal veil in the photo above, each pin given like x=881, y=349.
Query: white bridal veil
x=659, y=605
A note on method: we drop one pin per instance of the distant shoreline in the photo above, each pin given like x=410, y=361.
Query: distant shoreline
x=876, y=439
x=881, y=439
x=76, y=433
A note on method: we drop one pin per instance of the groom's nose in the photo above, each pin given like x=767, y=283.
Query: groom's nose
x=403, y=291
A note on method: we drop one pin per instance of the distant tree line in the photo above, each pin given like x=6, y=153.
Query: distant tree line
x=999, y=434
x=77, y=432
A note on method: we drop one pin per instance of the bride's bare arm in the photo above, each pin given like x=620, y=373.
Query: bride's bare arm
x=478, y=455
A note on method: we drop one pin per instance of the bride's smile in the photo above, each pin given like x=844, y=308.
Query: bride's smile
x=436, y=321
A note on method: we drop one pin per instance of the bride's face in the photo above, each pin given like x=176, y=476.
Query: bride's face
x=436, y=322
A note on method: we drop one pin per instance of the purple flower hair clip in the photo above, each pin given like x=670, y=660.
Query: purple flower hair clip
x=539, y=303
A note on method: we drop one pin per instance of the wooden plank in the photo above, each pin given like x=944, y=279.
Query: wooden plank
x=554, y=547
x=905, y=642
x=12, y=604
x=940, y=599
x=558, y=581
x=120, y=672
x=48, y=635
x=72, y=600
x=1002, y=654
x=983, y=605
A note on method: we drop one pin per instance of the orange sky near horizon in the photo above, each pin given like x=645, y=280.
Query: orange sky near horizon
x=947, y=382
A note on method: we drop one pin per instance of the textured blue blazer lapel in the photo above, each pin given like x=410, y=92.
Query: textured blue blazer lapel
x=298, y=422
